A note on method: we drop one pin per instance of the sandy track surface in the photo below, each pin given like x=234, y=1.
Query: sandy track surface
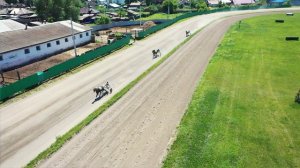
x=29, y=126
x=136, y=131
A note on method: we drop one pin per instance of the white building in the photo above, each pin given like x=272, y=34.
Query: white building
x=21, y=47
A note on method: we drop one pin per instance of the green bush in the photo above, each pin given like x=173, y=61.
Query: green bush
x=202, y=6
x=172, y=4
x=103, y=19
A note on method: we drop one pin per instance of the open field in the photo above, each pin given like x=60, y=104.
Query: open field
x=243, y=114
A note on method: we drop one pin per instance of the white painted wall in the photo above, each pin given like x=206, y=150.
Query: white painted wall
x=18, y=57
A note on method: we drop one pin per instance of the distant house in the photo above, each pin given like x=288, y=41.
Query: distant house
x=216, y=2
x=132, y=14
x=3, y=4
x=243, y=2
x=276, y=2
x=114, y=5
x=20, y=11
x=15, y=12
x=20, y=47
x=121, y=2
x=10, y=25
x=134, y=5
x=86, y=10
x=87, y=18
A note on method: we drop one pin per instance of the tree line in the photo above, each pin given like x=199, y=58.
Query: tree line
x=56, y=10
x=53, y=10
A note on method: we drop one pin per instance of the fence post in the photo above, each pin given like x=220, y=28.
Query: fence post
x=19, y=77
x=2, y=76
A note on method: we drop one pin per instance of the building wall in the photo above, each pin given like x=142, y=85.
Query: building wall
x=17, y=58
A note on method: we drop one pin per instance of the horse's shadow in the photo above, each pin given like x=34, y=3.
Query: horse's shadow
x=101, y=95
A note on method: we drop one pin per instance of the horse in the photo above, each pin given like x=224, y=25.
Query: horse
x=187, y=33
x=99, y=90
x=156, y=53
x=103, y=89
x=297, y=98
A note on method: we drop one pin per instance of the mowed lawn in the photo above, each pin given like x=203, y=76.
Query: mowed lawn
x=243, y=113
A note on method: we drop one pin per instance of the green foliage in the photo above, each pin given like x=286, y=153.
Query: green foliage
x=122, y=12
x=103, y=19
x=11, y=1
x=119, y=35
x=202, y=6
x=243, y=113
x=221, y=4
x=101, y=9
x=171, y=4
x=152, y=9
x=127, y=2
x=56, y=10
x=72, y=9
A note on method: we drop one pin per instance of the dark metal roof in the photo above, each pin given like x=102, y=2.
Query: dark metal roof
x=13, y=40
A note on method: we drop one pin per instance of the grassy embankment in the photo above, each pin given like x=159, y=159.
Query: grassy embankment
x=242, y=113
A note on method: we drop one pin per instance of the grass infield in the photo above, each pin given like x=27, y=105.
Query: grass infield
x=243, y=113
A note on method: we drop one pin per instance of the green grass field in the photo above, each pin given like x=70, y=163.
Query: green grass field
x=242, y=113
x=161, y=16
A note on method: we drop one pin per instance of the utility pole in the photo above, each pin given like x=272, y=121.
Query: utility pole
x=191, y=6
x=140, y=14
x=73, y=37
x=168, y=10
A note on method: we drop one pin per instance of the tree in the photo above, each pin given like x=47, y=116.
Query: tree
x=152, y=9
x=172, y=4
x=101, y=9
x=201, y=6
x=56, y=10
x=11, y=1
x=103, y=19
x=122, y=12
x=221, y=4
x=43, y=8
x=72, y=9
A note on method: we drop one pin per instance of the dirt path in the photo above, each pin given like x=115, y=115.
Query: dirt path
x=29, y=126
x=136, y=131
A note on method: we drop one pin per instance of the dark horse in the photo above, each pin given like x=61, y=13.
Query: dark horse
x=187, y=33
x=106, y=89
x=156, y=53
x=297, y=98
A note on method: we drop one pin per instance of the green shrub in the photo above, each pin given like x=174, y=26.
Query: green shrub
x=103, y=19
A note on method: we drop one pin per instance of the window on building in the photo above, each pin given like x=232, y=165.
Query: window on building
x=38, y=48
x=1, y=57
x=66, y=40
x=80, y=35
x=87, y=33
x=27, y=51
x=57, y=42
x=48, y=45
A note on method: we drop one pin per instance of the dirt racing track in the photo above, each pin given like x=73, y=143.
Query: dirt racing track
x=134, y=132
